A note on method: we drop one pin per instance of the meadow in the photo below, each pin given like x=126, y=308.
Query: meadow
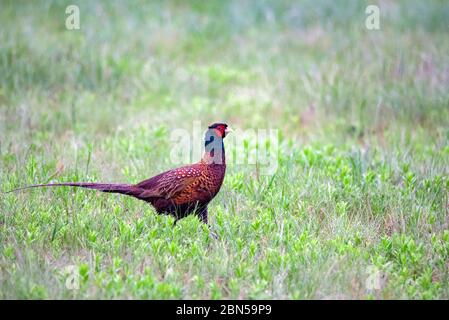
x=358, y=206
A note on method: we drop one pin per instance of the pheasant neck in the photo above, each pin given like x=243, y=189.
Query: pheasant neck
x=214, y=151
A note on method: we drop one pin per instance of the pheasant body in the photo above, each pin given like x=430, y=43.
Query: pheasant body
x=178, y=192
x=181, y=191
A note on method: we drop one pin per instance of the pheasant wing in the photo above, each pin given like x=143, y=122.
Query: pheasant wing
x=169, y=184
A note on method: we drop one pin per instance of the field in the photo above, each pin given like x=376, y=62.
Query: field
x=358, y=206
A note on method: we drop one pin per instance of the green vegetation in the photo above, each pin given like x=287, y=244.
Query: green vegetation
x=362, y=182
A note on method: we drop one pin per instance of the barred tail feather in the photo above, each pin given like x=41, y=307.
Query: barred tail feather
x=126, y=189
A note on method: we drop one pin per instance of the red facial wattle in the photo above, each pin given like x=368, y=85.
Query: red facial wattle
x=221, y=131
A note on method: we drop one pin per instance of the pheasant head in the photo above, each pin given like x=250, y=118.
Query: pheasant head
x=214, y=152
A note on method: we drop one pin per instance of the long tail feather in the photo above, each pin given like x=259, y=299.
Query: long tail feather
x=127, y=189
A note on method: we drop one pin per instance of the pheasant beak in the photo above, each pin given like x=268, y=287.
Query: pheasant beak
x=228, y=130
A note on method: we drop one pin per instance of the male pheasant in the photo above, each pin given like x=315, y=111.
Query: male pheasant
x=178, y=192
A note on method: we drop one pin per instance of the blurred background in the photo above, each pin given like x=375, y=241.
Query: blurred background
x=311, y=68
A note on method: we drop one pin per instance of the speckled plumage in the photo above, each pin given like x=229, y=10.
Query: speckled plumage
x=181, y=191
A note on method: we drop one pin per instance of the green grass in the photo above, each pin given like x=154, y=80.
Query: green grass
x=362, y=181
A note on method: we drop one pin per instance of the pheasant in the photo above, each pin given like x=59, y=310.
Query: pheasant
x=178, y=192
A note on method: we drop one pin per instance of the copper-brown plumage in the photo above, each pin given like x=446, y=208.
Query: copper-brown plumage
x=177, y=192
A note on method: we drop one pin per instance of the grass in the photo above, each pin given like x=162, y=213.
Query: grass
x=362, y=179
